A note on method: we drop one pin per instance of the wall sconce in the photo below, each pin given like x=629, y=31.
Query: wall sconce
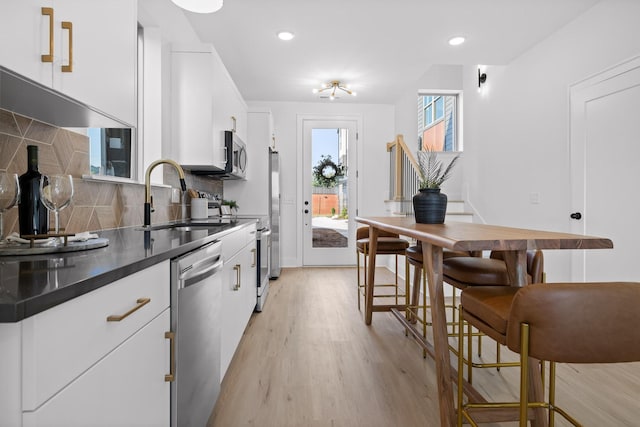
x=482, y=78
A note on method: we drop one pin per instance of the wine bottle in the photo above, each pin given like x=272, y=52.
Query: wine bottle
x=33, y=215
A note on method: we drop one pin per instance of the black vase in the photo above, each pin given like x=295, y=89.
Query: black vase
x=430, y=206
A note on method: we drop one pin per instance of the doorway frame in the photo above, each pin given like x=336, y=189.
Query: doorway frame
x=300, y=119
x=580, y=93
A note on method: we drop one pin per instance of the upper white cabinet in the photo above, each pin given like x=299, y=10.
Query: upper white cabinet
x=93, y=49
x=204, y=103
x=252, y=194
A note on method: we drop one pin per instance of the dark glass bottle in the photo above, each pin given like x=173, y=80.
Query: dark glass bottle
x=34, y=217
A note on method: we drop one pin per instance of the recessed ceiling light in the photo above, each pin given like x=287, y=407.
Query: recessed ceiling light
x=455, y=41
x=285, y=35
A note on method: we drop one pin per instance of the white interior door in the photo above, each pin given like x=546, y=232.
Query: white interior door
x=329, y=195
x=605, y=148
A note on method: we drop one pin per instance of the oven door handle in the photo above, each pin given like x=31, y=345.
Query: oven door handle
x=265, y=233
x=197, y=274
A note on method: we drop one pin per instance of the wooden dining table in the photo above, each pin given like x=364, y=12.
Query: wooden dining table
x=460, y=236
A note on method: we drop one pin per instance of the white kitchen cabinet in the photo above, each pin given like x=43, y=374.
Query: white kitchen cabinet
x=253, y=193
x=239, y=290
x=125, y=388
x=203, y=101
x=82, y=366
x=24, y=37
x=103, y=37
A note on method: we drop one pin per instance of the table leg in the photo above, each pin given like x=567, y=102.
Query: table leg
x=432, y=259
x=368, y=300
x=517, y=270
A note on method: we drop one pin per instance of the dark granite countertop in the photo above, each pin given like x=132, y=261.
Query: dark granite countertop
x=30, y=284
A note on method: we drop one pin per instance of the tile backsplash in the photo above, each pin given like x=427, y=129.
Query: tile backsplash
x=97, y=205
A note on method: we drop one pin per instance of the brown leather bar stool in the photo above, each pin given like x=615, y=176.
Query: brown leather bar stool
x=559, y=323
x=388, y=244
x=463, y=272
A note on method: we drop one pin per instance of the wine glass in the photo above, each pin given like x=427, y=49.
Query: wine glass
x=9, y=196
x=56, y=192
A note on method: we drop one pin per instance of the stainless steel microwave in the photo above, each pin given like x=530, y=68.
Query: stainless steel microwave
x=233, y=164
x=236, y=155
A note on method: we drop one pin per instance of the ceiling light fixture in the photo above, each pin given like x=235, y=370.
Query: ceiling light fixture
x=199, y=6
x=286, y=35
x=455, y=41
x=333, y=86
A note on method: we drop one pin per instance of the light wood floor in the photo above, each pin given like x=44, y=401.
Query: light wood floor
x=309, y=360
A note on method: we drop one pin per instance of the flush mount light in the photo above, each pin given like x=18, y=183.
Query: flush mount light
x=199, y=6
x=285, y=35
x=455, y=41
x=333, y=87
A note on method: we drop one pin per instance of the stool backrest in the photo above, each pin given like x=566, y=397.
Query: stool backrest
x=535, y=264
x=578, y=322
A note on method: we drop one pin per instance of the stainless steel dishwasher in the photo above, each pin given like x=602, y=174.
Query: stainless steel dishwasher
x=196, y=291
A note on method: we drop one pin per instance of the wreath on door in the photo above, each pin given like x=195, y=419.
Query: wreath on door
x=326, y=173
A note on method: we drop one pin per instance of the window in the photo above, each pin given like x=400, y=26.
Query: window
x=113, y=151
x=437, y=122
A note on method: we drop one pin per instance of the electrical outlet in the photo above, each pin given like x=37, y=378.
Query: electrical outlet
x=175, y=195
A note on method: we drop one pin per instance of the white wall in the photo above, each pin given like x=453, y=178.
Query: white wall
x=373, y=163
x=517, y=132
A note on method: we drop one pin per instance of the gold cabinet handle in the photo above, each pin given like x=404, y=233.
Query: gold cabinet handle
x=171, y=336
x=48, y=11
x=118, y=317
x=237, y=269
x=255, y=257
x=66, y=25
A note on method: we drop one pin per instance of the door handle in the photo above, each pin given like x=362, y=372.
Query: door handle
x=140, y=302
x=48, y=11
x=66, y=25
x=171, y=336
x=576, y=215
x=306, y=211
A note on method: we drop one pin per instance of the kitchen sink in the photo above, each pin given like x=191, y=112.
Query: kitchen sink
x=184, y=226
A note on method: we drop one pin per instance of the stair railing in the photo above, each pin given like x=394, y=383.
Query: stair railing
x=403, y=174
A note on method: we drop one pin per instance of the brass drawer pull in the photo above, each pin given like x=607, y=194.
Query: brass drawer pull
x=171, y=336
x=237, y=269
x=66, y=25
x=140, y=302
x=48, y=11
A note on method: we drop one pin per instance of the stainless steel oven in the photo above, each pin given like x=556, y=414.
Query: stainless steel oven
x=263, y=241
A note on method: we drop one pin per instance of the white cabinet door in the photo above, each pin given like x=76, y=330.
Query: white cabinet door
x=239, y=290
x=24, y=38
x=204, y=99
x=228, y=103
x=232, y=327
x=194, y=141
x=125, y=388
x=104, y=38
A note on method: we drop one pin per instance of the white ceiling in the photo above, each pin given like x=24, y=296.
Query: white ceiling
x=379, y=47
